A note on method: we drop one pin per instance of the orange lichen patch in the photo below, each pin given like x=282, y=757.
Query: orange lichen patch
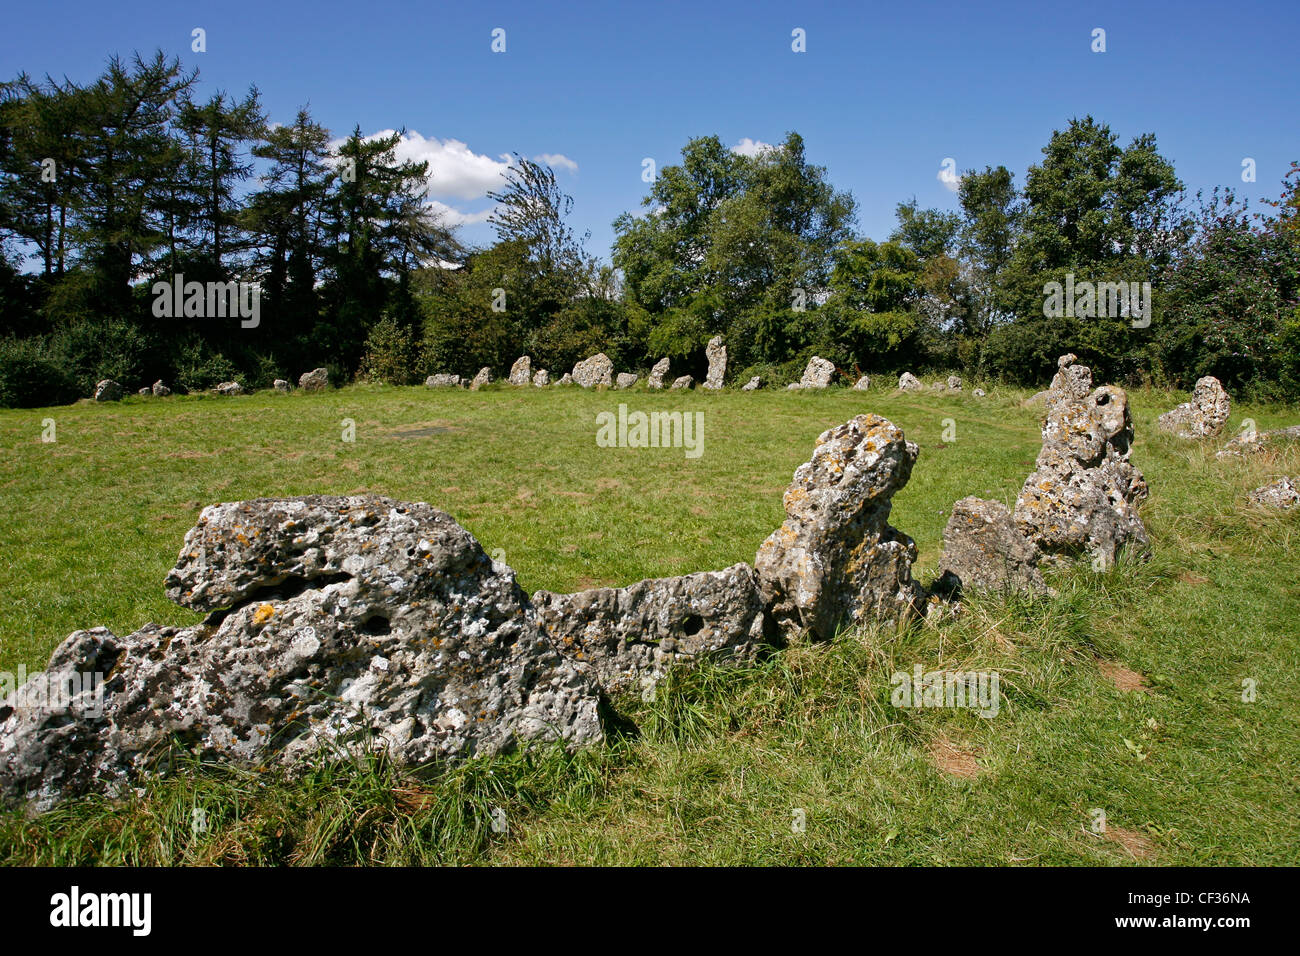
x=1137, y=846
x=957, y=761
x=263, y=614
x=1124, y=679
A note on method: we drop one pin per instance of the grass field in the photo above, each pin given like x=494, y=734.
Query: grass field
x=1124, y=693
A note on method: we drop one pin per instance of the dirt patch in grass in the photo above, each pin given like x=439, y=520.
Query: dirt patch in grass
x=954, y=759
x=1189, y=577
x=1134, y=843
x=1125, y=679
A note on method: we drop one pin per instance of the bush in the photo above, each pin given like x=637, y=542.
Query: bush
x=390, y=355
x=32, y=376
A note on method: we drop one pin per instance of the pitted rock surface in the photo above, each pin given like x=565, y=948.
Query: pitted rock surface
x=716, y=353
x=484, y=377
x=907, y=382
x=657, y=373
x=686, y=381
x=352, y=623
x=631, y=636
x=753, y=385
x=626, y=379
x=836, y=561
x=983, y=550
x=862, y=384
x=521, y=373
x=1281, y=494
x=442, y=381
x=229, y=388
x=1204, y=416
x=1085, y=493
x=161, y=390
x=597, y=370
x=818, y=373
x=315, y=380
x=541, y=378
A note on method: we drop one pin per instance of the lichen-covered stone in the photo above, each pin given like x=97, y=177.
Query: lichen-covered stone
x=315, y=380
x=835, y=561
x=983, y=550
x=484, y=377
x=686, y=381
x=1253, y=442
x=108, y=390
x=1204, y=416
x=818, y=373
x=282, y=385
x=1281, y=494
x=716, y=353
x=954, y=383
x=597, y=370
x=161, y=390
x=521, y=373
x=626, y=379
x=339, y=624
x=657, y=373
x=862, y=384
x=753, y=385
x=442, y=381
x=1084, y=495
x=632, y=636
x=229, y=388
x=907, y=382
x=541, y=378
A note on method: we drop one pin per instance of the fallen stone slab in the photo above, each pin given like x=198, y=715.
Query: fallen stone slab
x=835, y=561
x=338, y=624
x=631, y=636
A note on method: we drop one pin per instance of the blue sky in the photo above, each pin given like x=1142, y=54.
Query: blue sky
x=882, y=96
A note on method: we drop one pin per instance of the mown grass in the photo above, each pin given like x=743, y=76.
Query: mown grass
x=714, y=768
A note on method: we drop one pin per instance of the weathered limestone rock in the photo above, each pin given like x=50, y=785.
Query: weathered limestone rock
x=144, y=391
x=281, y=385
x=1279, y=494
x=817, y=374
x=716, y=353
x=983, y=550
x=1084, y=495
x=442, y=381
x=597, y=370
x=626, y=379
x=862, y=384
x=954, y=383
x=315, y=380
x=342, y=623
x=108, y=390
x=1253, y=442
x=835, y=561
x=907, y=382
x=484, y=377
x=565, y=379
x=229, y=388
x=521, y=373
x=656, y=379
x=632, y=635
x=541, y=378
x=978, y=393
x=1204, y=416
x=753, y=384
x=686, y=381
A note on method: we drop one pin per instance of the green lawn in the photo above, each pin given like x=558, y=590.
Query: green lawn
x=715, y=768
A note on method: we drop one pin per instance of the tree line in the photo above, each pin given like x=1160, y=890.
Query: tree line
x=109, y=188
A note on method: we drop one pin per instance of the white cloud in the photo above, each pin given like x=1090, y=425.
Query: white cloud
x=751, y=147
x=950, y=180
x=556, y=161
x=452, y=216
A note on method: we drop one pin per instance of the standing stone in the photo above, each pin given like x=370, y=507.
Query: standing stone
x=978, y=393
x=342, y=625
x=108, y=390
x=686, y=381
x=626, y=379
x=633, y=635
x=484, y=377
x=521, y=373
x=716, y=353
x=315, y=380
x=229, y=388
x=1084, y=496
x=442, y=381
x=565, y=379
x=656, y=379
x=144, y=391
x=983, y=550
x=907, y=382
x=281, y=385
x=1204, y=416
x=541, y=378
x=753, y=384
x=862, y=384
x=817, y=374
x=954, y=383
x=836, y=561
x=597, y=370
x=161, y=390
